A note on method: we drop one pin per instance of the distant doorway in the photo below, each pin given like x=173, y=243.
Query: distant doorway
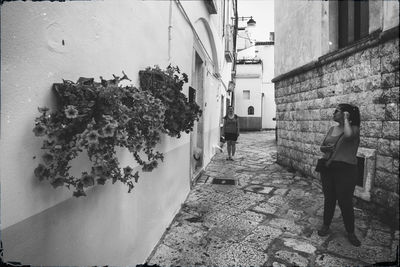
x=196, y=137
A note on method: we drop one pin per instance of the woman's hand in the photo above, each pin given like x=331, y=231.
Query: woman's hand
x=327, y=149
x=349, y=130
x=346, y=115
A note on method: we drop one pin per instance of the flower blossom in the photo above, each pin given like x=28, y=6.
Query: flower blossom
x=93, y=137
x=48, y=158
x=87, y=180
x=71, y=112
x=59, y=181
x=108, y=130
x=128, y=170
x=98, y=169
x=122, y=135
x=40, y=171
x=125, y=118
x=39, y=130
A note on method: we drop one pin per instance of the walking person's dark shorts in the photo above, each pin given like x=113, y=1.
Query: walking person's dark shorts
x=231, y=136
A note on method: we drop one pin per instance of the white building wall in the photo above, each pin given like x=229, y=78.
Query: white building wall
x=266, y=54
x=390, y=14
x=248, y=77
x=45, y=226
x=305, y=42
x=247, y=53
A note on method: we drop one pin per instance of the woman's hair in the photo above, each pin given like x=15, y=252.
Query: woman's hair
x=354, y=113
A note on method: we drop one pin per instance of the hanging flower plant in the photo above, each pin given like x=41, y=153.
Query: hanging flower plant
x=96, y=118
x=167, y=85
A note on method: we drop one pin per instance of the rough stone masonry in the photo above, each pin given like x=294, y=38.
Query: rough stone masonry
x=365, y=74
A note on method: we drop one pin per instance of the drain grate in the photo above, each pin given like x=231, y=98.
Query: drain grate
x=194, y=219
x=224, y=181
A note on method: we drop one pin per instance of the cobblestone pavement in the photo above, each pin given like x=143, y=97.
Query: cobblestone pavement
x=269, y=218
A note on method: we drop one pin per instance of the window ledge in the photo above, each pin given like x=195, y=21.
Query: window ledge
x=368, y=41
x=364, y=192
x=372, y=39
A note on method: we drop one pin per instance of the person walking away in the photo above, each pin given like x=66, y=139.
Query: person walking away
x=231, y=132
x=339, y=178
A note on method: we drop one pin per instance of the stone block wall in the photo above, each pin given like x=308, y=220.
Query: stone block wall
x=366, y=75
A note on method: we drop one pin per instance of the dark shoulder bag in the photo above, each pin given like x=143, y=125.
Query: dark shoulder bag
x=323, y=163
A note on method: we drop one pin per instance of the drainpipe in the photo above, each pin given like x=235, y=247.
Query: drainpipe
x=262, y=110
x=169, y=31
x=235, y=30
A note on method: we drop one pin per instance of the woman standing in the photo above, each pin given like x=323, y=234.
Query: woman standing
x=231, y=132
x=339, y=179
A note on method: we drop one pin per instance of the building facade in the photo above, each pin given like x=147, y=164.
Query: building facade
x=248, y=94
x=265, y=52
x=331, y=52
x=45, y=42
x=254, y=91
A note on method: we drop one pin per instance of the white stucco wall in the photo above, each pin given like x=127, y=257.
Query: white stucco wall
x=43, y=226
x=266, y=54
x=390, y=14
x=269, y=106
x=247, y=53
x=248, y=77
x=304, y=41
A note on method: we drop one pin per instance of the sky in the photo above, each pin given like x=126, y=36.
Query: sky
x=262, y=12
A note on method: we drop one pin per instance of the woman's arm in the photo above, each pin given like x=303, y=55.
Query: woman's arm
x=238, y=127
x=223, y=127
x=349, y=131
x=324, y=148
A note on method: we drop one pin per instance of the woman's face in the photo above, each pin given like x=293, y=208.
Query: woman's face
x=338, y=114
x=230, y=110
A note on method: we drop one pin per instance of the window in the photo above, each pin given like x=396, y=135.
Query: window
x=250, y=110
x=353, y=21
x=360, y=167
x=366, y=160
x=246, y=94
x=211, y=6
x=192, y=95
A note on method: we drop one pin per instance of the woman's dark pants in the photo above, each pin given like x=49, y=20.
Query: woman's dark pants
x=338, y=184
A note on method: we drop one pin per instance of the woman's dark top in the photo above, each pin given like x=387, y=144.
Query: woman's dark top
x=346, y=148
x=231, y=125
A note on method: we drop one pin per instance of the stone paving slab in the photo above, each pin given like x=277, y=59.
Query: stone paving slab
x=269, y=218
x=325, y=259
x=262, y=237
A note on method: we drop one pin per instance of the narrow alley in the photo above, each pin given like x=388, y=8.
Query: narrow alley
x=268, y=217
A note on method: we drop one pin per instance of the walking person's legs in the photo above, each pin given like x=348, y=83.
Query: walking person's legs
x=345, y=184
x=328, y=188
x=233, y=148
x=229, y=148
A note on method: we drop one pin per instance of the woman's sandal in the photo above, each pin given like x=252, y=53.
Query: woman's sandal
x=324, y=231
x=353, y=239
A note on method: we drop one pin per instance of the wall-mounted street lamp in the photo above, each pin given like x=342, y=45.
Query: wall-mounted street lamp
x=249, y=29
x=251, y=22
